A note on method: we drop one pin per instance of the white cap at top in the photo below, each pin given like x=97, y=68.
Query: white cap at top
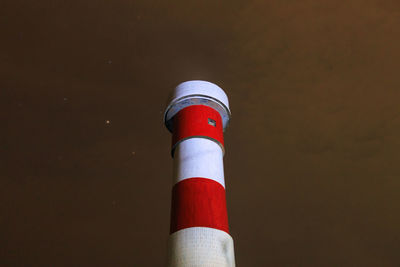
x=198, y=93
x=200, y=88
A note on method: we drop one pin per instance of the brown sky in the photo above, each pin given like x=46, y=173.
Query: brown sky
x=312, y=163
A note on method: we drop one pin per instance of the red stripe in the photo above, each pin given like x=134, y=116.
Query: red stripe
x=198, y=202
x=194, y=121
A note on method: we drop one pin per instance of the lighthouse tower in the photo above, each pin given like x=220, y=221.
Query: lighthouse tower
x=197, y=115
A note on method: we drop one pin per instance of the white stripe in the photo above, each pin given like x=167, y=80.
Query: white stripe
x=200, y=247
x=198, y=157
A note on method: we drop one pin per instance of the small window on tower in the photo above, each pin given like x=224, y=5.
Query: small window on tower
x=212, y=122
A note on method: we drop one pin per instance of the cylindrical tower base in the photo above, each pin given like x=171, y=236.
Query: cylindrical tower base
x=200, y=247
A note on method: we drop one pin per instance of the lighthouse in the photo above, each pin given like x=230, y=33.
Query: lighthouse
x=197, y=115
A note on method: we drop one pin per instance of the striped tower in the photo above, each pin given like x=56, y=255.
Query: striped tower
x=199, y=234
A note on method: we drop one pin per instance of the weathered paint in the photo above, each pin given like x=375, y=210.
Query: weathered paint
x=200, y=246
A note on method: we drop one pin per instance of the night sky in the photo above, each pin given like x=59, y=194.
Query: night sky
x=312, y=151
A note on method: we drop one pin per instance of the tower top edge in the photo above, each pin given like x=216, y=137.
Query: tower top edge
x=197, y=92
x=198, y=87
